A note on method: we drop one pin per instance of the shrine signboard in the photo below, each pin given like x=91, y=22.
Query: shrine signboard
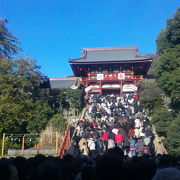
x=129, y=88
x=100, y=76
x=121, y=75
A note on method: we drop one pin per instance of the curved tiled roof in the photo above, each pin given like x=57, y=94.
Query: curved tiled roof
x=110, y=54
x=58, y=83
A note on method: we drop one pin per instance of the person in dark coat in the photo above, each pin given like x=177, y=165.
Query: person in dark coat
x=111, y=135
x=148, y=131
x=123, y=132
x=139, y=147
x=72, y=150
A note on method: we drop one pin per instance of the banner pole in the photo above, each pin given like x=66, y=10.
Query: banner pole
x=3, y=142
x=57, y=142
x=22, y=144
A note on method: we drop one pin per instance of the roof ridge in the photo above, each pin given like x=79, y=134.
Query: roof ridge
x=64, y=78
x=110, y=48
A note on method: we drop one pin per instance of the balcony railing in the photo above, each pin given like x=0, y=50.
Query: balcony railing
x=127, y=76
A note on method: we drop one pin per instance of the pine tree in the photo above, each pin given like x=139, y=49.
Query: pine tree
x=8, y=42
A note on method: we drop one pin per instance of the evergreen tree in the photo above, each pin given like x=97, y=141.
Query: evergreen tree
x=168, y=63
x=161, y=118
x=8, y=43
x=150, y=95
x=24, y=106
x=168, y=78
x=15, y=101
x=58, y=123
x=75, y=99
x=172, y=141
x=42, y=113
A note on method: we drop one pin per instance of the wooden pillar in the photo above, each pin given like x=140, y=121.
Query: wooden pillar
x=57, y=142
x=86, y=85
x=100, y=88
x=22, y=147
x=121, y=89
x=3, y=142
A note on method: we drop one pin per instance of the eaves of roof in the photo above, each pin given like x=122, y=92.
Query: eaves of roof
x=85, y=61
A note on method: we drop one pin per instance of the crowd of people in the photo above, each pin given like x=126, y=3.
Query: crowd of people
x=115, y=121
x=112, y=165
x=114, y=142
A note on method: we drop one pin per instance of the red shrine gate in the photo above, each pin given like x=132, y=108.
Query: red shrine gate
x=110, y=68
x=121, y=82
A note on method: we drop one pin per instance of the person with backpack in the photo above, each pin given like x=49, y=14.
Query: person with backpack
x=132, y=147
x=139, y=147
x=148, y=131
x=147, y=140
x=126, y=145
x=146, y=150
x=111, y=144
x=100, y=146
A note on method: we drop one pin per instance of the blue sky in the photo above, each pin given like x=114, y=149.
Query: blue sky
x=52, y=31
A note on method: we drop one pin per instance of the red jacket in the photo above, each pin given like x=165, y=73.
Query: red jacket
x=94, y=124
x=131, y=133
x=105, y=136
x=136, y=97
x=118, y=138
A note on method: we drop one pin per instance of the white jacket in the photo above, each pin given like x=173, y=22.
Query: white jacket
x=91, y=144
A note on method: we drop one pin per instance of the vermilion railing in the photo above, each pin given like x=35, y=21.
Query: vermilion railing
x=65, y=142
x=128, y=76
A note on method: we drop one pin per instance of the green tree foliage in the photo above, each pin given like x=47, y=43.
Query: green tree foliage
x=152, y=69
x=150, y=95
x=172, y=142
x=23, y=105
x=75, y=99
x=8, y=43
x=161, y=118
x=170, y=83
x=15, y=102
x=58, y=100
x=170, y=36
x=42, y=113
x=58, y=123
x=67, y=99
x=168, y=63
x=168, y=78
